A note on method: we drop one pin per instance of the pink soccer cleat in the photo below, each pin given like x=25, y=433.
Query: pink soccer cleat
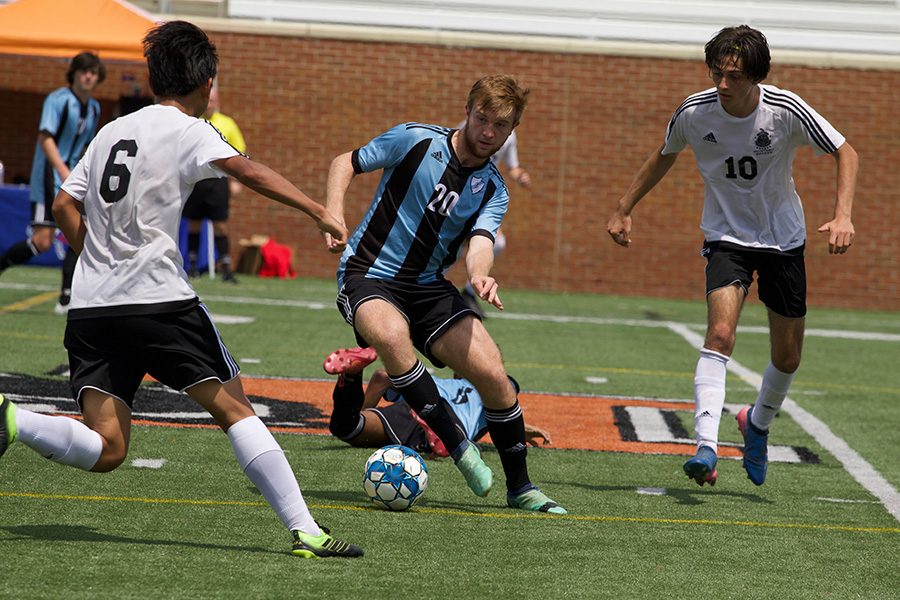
x=349, y=361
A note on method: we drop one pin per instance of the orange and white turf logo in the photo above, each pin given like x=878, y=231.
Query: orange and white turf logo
x=637, y=425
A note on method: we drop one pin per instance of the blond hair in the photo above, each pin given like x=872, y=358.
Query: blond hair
x=500, y=94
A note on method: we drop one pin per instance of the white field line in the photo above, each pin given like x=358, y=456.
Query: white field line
x=864, y=473
x=313, y=305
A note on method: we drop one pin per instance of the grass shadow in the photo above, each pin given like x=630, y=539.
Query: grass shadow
x=81, y=533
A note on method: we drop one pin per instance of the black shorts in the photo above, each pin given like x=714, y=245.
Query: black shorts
x=781, y=275
x=42, y=213
x=430, y=309
x=113, y=353
x=209, y=200
x=401, y=426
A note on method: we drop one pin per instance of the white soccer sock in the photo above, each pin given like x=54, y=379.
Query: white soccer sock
x=774, y=388
x=709, y=397
x=61, y=439
x=263, y=461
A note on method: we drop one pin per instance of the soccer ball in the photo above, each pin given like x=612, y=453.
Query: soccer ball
x=395, y=477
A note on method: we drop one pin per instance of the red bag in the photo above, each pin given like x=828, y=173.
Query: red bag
x=277, y=261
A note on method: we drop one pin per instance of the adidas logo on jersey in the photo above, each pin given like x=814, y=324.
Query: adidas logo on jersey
x=709, y=137
x=437, y=156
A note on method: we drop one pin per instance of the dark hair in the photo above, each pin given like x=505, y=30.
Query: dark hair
x=180, y=58
x=744, y=43
x=86, y=61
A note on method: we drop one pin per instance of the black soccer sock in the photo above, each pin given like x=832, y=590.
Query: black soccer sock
x=420, y=392
x=348, y=396
x=223, y=249
x=17, y=254
x=507, y=429
x=68, y=271
x=193, y=249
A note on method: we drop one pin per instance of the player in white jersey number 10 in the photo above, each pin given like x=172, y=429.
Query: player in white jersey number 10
x=744, y=134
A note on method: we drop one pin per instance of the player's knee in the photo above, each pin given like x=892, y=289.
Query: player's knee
x=42, y=243
x=786, y=362
x=389, y=338
x=109, y=460
x=721, y=338
x=495, y=389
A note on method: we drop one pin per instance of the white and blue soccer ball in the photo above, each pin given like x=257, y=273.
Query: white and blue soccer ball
x=395, y=477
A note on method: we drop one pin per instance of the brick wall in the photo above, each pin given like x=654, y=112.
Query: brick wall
x=591, y=122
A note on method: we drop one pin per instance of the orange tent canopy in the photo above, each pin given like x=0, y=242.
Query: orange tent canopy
x=111, y=28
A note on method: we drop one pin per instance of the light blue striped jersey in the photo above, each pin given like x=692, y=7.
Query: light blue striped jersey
x=465, y=401
x=72, y=125
x=426, y=205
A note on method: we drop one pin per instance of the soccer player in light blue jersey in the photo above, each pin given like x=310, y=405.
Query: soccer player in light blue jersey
x=438, y=190
x=360, y=418
x=69, y=120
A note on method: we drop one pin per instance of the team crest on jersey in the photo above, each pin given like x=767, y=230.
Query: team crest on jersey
x=763, y=142
x=477, y=184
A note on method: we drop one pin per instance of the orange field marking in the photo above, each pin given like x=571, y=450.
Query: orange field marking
x=575, y=422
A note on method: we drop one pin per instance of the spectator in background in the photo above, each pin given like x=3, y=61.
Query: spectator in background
x=69, y=121
x=210, y=197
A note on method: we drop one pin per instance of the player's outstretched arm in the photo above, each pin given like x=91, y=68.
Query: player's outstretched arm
x=267, y=182
x=651, y=172
x=68, y=217
x=479, y=261
x=340, y=174
x=840, y=229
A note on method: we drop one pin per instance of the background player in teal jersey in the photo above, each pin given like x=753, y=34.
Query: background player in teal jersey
x=361, y=419
x=438, y=190
x=69, y=121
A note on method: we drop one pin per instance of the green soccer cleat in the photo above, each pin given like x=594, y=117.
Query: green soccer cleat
x=322, y=546
x=477, y=474
x=7, y=424
x=535, y=500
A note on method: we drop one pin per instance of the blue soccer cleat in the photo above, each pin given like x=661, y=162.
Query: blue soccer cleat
x=702, y=468
x=478, y=475
x=756, y=450
x=7, y=424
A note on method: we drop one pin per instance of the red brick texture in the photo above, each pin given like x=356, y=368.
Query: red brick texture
x=591, y=122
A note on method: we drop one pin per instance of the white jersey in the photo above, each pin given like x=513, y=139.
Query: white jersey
x=508, y=154
x=746, y=164
x=134, y=180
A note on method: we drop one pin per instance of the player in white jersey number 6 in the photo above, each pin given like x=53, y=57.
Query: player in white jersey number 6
x=133, y=311
x=744, y=135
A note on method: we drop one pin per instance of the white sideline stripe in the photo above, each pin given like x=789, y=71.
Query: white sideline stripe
x=148, y=463
x=651, y=491
x=858, y=468
x=312, y=305
x=845, y=501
